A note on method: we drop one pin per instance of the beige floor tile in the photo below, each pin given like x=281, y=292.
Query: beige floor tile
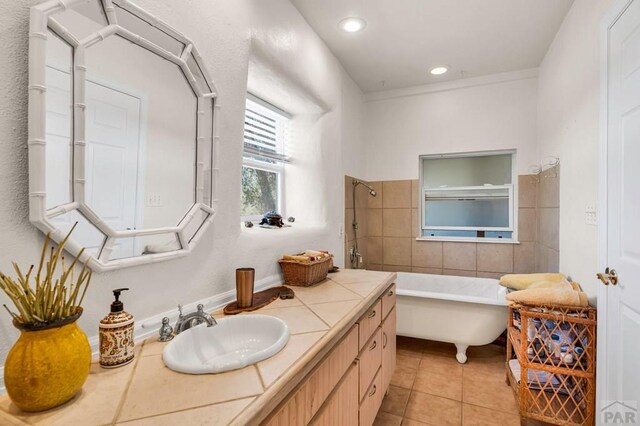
x=326, y=291
x=433, y=409
x=473, y=415
x=299, y=318
x=439, y=348
x=408, y=346
x=440, y=383
x=441, y=363
x=155, y=389
x=487, y=390
x=395, y=401
x=410, y=362
x=275, y=367
x=94, y=405
x=333, y=312
x=386, y=419
x=405, y=372
x=486, y=360
x=221, y=414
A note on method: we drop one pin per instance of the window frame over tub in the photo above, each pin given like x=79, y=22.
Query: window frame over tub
x=501, y=234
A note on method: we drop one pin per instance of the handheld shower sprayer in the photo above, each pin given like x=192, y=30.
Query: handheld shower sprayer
x=354, y=255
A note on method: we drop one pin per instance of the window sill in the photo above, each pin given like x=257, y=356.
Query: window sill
x=470, y=240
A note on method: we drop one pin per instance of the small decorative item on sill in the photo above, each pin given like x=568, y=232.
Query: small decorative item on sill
x=306, y=268
x=272, y=219
x=50, y=362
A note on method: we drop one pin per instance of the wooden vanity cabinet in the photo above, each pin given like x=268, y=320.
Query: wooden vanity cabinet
x=377, y=359
x=388, y=348
x=347, y=386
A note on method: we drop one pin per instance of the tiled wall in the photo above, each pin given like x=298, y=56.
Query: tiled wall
x=548, y=223
x=392, y=228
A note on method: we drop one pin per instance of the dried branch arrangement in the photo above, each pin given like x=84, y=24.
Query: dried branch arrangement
x=54, y=295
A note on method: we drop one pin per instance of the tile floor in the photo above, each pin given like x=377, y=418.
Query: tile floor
x=429, y=387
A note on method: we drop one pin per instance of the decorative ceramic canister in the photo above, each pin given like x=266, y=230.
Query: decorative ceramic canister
x=116, y=335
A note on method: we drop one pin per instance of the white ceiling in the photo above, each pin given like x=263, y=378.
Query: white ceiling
x=405, y=38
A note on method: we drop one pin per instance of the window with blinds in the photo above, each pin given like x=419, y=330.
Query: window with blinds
x=468, y=196
x=264, y=158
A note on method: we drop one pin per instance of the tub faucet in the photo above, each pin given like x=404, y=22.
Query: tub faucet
x=185, y=322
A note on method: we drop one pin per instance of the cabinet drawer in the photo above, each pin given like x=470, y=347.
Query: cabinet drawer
x=388, y=300
x=369, y=323
x=304, y=403
x=388, y=348
x=342, y=406
x=372, y=401
x=370, y=361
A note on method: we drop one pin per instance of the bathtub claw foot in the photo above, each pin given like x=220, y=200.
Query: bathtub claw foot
x=461, y=356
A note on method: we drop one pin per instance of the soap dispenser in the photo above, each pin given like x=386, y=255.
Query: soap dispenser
x=116, y=335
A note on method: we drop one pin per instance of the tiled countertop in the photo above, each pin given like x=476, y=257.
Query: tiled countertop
x=145, y=392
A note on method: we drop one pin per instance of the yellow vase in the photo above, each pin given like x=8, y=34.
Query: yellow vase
x=47, y=366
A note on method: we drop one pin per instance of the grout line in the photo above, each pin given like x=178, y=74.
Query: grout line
x=264, y=387
x=125, y=394
x=131, y=421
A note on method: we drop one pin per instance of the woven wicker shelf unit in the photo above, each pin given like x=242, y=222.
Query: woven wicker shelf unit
x=551, y=363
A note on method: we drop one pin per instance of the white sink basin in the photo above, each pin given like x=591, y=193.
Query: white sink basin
x=233, y=343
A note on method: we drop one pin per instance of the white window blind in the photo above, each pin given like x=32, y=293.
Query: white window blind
x=265, y=132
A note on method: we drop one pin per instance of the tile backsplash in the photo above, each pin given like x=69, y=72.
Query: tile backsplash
x=388, y=227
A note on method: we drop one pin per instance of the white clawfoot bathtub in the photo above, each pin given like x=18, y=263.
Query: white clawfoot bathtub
x=460, y=310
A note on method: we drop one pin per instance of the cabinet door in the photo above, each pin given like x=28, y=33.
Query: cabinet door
x=371, y=403
x=388, y=300
x=388, y=348
x=370, y=361
x=307, y=400
x=342, y=406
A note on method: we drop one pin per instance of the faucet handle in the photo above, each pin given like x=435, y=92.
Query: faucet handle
x=200, y=307
x=180, y=309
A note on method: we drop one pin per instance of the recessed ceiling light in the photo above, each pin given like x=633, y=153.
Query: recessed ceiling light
x=352, y=24
x=439, y=70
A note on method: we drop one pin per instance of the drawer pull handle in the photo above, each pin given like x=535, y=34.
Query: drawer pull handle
x=384, y=340
x=373, y=391
x=373, y=345
x=372, y=314
x=390, y=293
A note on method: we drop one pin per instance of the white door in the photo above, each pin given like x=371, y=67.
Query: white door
x=619, y=332
x=113, y=141
x=59, y=161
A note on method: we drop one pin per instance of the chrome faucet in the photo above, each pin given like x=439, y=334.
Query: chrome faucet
x=185, y=322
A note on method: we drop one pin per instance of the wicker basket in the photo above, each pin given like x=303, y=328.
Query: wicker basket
x=305, y=274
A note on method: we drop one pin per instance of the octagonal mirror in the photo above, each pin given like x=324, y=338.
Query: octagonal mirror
x=121, y=135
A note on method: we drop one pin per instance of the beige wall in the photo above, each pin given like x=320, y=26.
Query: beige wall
x=568, y=127
x=391, y=228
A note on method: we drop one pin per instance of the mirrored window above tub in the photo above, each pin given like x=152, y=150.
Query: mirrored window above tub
x=121, y=132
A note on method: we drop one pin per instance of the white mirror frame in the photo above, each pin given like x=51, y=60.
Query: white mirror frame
x=207, y=139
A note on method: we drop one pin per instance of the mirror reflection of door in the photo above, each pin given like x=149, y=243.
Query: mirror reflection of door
x=111, y=160
x=112, y=152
